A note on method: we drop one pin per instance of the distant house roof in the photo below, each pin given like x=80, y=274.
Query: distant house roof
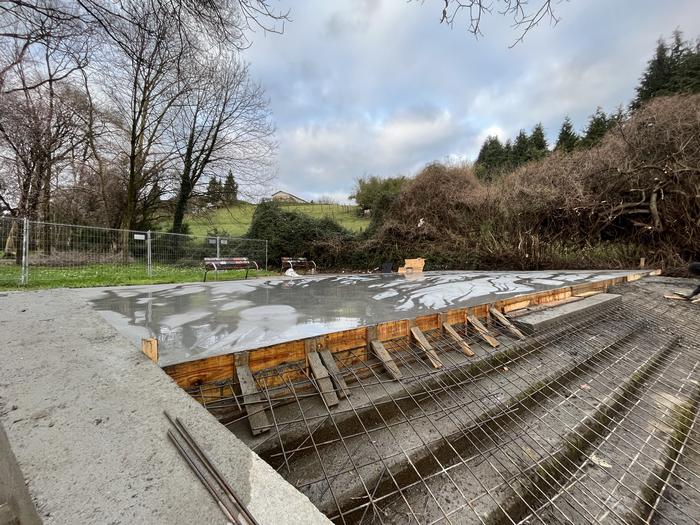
x=287, y=196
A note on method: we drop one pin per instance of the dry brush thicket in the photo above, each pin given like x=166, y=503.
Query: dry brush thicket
x=635, y=195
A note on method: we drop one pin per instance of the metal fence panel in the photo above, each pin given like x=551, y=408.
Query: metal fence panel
x=42, y=253
x=11, y=244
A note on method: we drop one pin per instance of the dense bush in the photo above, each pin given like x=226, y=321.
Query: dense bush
x=292, y=234
x=634, y=195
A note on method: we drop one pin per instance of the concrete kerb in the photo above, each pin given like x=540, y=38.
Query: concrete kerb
x=83, y=413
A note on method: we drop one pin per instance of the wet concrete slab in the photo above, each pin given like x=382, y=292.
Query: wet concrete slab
x=192, y=321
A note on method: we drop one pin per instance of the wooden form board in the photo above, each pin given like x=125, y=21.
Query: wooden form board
x=358, y=340
x=506, y=322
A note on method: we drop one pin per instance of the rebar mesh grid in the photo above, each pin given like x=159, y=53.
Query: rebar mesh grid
x=43, y=252
x=594, y=421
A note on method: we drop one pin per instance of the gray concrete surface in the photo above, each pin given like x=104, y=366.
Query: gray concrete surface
x=192, y=321
x=83, y=413
x=549, y=317
x=15, y=501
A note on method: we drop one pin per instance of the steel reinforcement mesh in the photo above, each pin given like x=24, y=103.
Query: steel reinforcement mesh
x=592, y=421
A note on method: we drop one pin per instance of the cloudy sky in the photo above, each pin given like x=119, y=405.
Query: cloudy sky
x=380, y=87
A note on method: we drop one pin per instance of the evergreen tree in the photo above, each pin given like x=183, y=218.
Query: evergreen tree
x=654, y=80
x=521, y=149
x=538, y=143
x=214, y=191
x=686, y=75
x=508, y=155
x=229, y=191
x=596, y=128
x=568, y=139
x=491, y=160
x=675, y=68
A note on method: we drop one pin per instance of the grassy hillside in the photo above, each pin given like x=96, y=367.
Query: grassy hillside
x=235, y=220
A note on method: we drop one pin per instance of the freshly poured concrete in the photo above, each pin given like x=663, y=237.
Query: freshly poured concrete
x=200, y=320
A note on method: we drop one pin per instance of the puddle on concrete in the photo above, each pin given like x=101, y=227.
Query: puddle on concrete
x=200, y=320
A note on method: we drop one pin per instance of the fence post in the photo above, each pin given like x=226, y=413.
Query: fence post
x=218, y=247
x=25, y=252
x=149, y=262
x=265, y=254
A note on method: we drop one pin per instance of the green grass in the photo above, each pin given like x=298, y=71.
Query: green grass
x=235, y=220
x=109, y=275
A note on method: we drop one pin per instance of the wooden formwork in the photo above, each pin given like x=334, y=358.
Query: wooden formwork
x=353, y=346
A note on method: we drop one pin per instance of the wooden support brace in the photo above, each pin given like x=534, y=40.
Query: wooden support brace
x=482, y=331
x=426, y=347
x=255, y=407
x=506, y=322
x=341, y=386
x=383, y=354
x=449, y=330
x=323, y=379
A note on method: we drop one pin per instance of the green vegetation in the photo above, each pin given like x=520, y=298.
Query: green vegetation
x=373, y=193
x=235, y=220
x=109, y=275
x=674, y=68
x=294, y=234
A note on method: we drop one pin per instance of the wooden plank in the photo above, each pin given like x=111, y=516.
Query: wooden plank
x=449, y=330
x=426, y=347
x=506, y=322
x=337, y=378
x=323, y=379
x=482, y=331
x=389, y=365
x=255, y=407
x=150, y=348
x=676, y=297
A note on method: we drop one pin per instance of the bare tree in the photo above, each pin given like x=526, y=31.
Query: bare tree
x=525, y=15
x=224, y=124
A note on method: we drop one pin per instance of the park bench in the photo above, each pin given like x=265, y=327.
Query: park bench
x=218, y=264
x=299, y=262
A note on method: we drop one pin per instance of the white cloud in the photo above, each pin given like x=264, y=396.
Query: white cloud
x=365, y=86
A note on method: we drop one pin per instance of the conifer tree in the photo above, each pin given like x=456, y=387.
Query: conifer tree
x=538, y=143
x=214, y=191
x=491, y=160
x=568, y=139
x=521, y=149
x=596, y=128
x=229, y=191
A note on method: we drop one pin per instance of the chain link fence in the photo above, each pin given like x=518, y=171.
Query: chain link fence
x=49, y=254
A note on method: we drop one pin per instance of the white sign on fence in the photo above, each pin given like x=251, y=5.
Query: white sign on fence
x=139, y=237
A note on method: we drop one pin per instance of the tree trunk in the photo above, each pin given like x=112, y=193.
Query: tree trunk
x=183, y=198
